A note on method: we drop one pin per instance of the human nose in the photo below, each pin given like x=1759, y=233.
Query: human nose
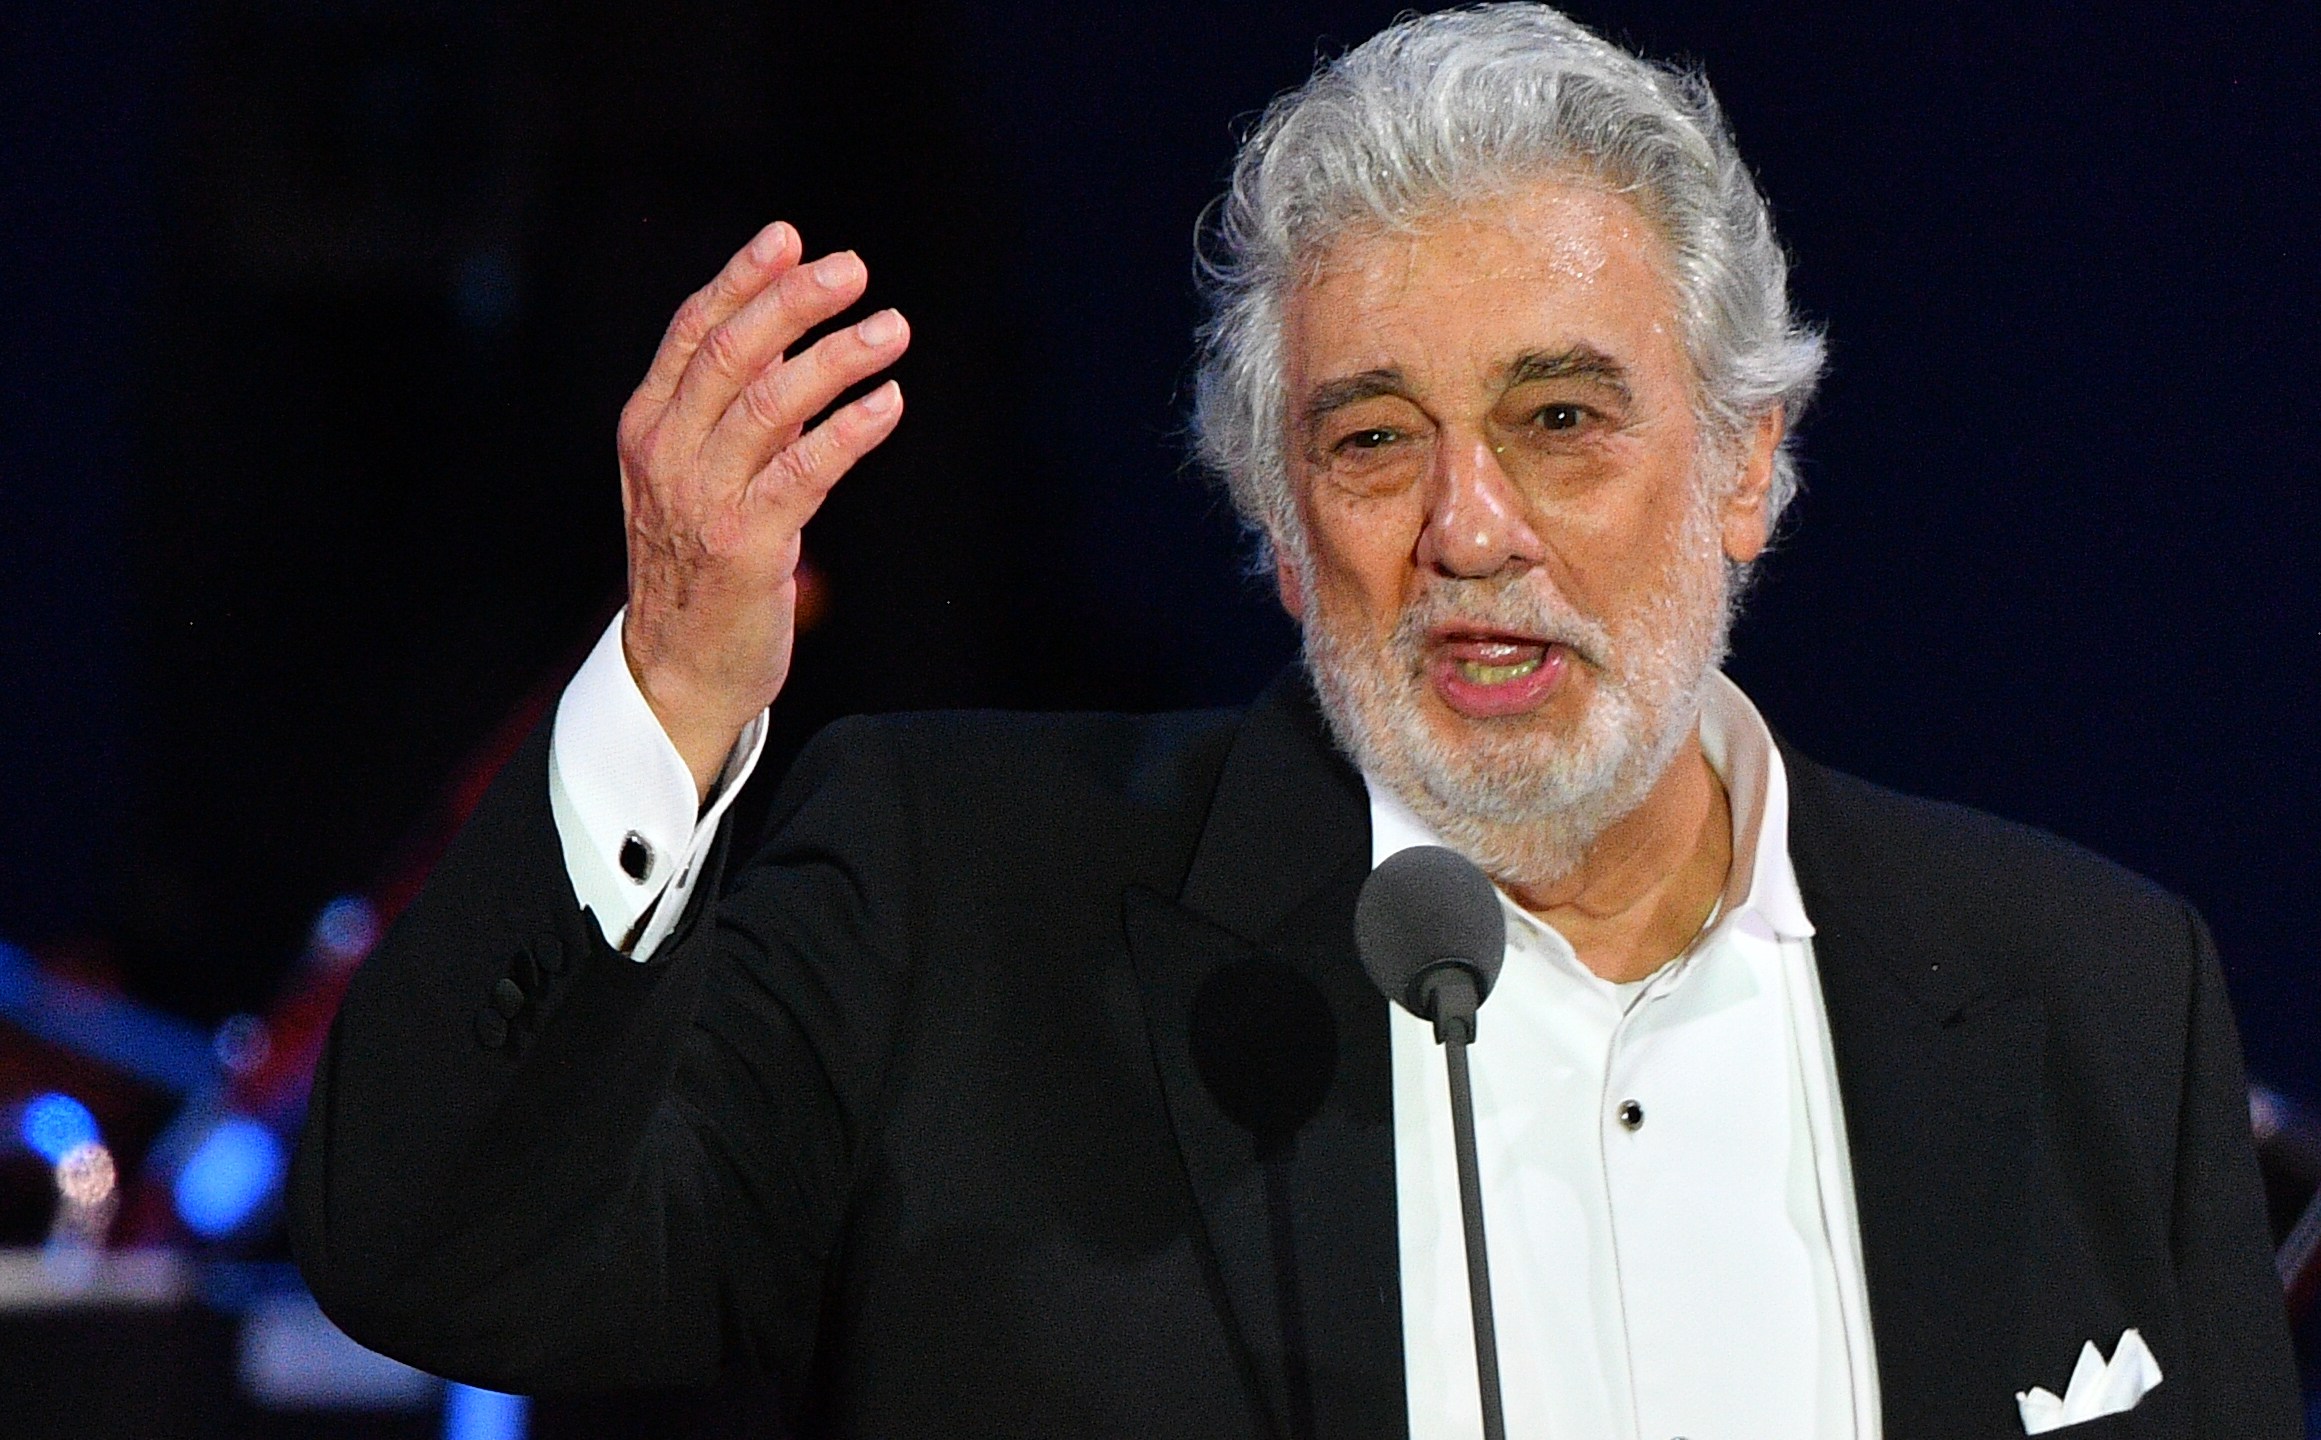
x=1475, y=526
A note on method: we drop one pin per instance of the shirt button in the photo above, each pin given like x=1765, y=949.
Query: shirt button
x=636, y=857
x=1631, y=1115
x=507, y=997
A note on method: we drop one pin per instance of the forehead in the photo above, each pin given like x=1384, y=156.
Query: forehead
x=1552, y=266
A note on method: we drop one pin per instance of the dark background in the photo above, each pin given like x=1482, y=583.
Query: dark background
x=315, y=317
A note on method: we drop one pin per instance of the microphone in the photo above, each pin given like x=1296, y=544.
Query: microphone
x=1431, y=934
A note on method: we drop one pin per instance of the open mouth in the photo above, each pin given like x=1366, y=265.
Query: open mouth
x=1485, y=674
x=1504, y=663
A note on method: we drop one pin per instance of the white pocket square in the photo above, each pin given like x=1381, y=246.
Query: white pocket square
x=2096, y=1389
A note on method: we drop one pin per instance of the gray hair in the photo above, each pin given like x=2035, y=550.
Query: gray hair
x=1465, y=104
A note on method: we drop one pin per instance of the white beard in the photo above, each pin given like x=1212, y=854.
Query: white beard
x=1522, y=801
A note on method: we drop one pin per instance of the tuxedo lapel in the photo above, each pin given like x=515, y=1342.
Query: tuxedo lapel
x=1938, y=1063
x=1272, y=1053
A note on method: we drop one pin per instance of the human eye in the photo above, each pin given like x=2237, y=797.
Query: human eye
x=1369, y=437
x=1561, y=415
x=1372, y=454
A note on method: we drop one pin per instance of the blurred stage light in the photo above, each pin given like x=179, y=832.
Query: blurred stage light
x=87, y=1189
x=234, y=1170
x=472, y=1414
x=85, y=1176
x=294, y=1358
x=54, y=1126
x=346, y=930
x=156, y=1048
x=242, y=1043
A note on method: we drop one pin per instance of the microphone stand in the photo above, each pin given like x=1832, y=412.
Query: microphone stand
x=1432, y=937
x=1451, y=991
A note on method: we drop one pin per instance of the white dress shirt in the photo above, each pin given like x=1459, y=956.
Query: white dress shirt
x=620, y=792
x=1698, y=1276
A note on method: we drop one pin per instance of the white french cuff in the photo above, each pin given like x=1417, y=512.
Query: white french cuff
x=632, y=833
x=2097, y=1388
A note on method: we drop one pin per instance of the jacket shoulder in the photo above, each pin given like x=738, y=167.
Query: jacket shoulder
x=1976, y=886
x=1856, y=838
x=1026, y=792
x=979, y=758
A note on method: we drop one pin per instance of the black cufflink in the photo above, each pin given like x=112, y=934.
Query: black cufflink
x=636, y=857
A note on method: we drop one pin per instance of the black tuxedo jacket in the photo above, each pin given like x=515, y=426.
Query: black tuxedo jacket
x=1017, y=1077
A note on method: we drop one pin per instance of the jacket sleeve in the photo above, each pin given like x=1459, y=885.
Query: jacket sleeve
x=533, y=1163
x=2240, y=1368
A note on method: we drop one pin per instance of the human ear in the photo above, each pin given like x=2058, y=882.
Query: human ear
x=1286, y=583
x=1746, y=522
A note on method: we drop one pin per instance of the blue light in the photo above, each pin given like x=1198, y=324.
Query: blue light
x=347, y=928
x=228, y=1176
x=56, y=1125
x=149, y=1045
x=472, y=1414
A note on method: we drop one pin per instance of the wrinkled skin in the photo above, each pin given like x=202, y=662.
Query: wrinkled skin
x=720, y=472
x=1515, y=539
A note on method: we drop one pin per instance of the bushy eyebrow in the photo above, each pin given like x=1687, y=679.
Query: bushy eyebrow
x=1580, y=362
x=1350, y=390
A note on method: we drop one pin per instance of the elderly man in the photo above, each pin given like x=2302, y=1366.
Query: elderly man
x=1016, y=1075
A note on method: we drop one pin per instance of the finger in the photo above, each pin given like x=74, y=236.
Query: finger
x=772, y=252
x=773, y=409
x=792, y=486
x=734, y=352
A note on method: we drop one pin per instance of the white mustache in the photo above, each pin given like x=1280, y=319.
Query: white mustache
x=1499, y=605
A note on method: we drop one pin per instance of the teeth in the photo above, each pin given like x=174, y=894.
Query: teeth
x=1481, y=674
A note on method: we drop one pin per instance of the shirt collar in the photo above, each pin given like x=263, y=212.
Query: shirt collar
x=1761, y=893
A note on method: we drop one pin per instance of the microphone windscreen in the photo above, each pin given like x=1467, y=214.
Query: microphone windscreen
x=1423, y=906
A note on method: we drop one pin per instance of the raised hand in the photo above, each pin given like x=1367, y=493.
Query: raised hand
x=719, y=474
